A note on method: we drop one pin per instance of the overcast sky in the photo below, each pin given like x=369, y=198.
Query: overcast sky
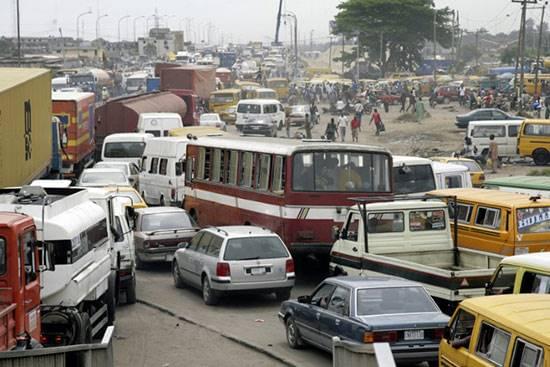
x=237, y=20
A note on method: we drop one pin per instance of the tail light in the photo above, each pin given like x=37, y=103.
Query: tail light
x=380, y=337
x=438, y=334
x=223, y=270
x=289, y=266
x=43, y=339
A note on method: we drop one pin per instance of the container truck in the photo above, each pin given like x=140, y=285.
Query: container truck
x=78, y=295
x=25, y=125
x=92, y=80
x=75, y=112
x=201, y=80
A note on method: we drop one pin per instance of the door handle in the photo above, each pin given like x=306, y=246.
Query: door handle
x=318, y=315
x=354, y=249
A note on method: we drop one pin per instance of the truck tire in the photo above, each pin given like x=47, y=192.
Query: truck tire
x=84, y=329
x=541, y=157
x=131, y=297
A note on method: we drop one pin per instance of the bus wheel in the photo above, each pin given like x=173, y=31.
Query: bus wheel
x=541, y=157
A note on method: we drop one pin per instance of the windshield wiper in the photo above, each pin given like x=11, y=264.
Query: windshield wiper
x=251, y=258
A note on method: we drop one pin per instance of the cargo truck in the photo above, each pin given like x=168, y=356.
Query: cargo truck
x=75, y=112
x=92, y=80
x=201, y=80
x=25, y=125
x=78, y=296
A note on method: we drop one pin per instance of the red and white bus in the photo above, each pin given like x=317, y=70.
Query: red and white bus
x=299, y=189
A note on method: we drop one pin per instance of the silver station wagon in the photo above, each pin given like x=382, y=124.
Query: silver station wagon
x=234, y=259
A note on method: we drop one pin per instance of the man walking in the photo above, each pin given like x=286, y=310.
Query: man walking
x=377, y=121
x=493, y=153
x=342, y=124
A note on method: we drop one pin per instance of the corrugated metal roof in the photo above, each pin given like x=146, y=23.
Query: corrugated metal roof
x=11, y=77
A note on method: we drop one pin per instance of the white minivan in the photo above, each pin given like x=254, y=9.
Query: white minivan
x=124, y=147
x=158, y=124
x=162, y=180
x=505, y=132
x=412, y=176
x=451, y=176
x=260, y=116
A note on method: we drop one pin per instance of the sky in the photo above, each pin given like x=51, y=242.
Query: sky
x=236, y=20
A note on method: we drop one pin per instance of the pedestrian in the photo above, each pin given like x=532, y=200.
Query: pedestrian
x=287, y=126
x=355, y=129
x=377, y=122
x=493, y=153
x=331, y=132
x=313, y=113
x=386, y=105
x=358, y=110
x=412, y=103
x=537, y=107
x=342, y=124
x=308, y=126
x=461, y=94
x=547, y=106
x=403, y=100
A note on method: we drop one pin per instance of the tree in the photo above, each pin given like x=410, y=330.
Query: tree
x=508, y=55
x=400, y=28
x=469, y=53
x=7, y=47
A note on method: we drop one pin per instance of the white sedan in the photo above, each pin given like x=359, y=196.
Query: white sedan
x=101, y=177
x=212, y=119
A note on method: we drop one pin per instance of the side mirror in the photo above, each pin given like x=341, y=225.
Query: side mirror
x=304, y=299
x=131, y=217
x=488, y=289
x=116, y=234
x=336, y=234
x=47, y=255
x=183, y=245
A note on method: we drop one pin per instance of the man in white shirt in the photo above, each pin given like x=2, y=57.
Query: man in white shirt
x=342, y=124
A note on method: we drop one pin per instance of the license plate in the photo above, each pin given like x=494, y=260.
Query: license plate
x=257, y=271
x=255, y=128
x=414, y=334
x=169, y=258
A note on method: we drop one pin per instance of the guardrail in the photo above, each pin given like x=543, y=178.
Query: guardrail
x=348, y=354
x=81, y=355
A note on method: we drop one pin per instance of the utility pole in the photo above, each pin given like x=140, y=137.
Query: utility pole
x=343, y=46
x=311, y=40
x=357, y=59
x=538, y=49
x=435, y=46
x=330, y=54
x=278, y=27
x=63, y=47
x=18, y=35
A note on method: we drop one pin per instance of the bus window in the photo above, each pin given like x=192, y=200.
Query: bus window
x=277, y=185
x=216, y=165
x=200, y=164
x=233, y=167
x=262, y=176
x=247, y=159
x=488, y=217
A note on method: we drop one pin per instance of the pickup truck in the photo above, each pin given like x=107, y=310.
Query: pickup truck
x=411, y=239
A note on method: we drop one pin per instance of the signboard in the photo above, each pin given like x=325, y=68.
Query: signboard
x=533, y=220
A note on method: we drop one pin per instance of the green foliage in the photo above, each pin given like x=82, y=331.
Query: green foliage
x=469, y=53
x=508, y=55
x=402, y=27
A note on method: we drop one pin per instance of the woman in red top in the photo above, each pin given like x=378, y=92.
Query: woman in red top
x=355, y=124
x=377, y=121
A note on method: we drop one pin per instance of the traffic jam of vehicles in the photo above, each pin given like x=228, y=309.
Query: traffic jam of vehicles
x=224, y=174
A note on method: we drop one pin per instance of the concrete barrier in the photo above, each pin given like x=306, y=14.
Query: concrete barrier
x=348, y=354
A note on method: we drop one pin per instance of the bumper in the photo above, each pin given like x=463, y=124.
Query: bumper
x=255, y=128
x=157, y=255
x=404, y=354
x=461, y=124
x=300, y=248
x=252, y=287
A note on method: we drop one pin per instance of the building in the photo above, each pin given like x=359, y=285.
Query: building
x=160, y=43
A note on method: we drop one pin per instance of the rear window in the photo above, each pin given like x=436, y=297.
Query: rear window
x=386, y=301
x=253, y=248
x=410, y=179
x=487, y=131
x=165, y=221
x=249, y=108
x=124, y=149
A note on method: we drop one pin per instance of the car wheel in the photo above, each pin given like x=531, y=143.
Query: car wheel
x=131, y=297
x=209, y=296
x=293, y=337
x=283, y=294
x=541, y=157
x=178, y=281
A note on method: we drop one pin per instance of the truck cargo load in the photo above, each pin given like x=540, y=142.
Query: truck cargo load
x=199, y=79
x=25, y=125
x=75, y=112
x=159, y=66
x=121, y=115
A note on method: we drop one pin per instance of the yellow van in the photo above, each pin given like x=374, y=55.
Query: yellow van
x=534, y=141
x=281, y=86
x=474, y=169
x=529, y=273
x=500, y=222
x=507, y=331
x=247, y=88
x=222, y=101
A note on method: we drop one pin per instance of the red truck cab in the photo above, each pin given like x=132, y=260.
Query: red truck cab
x=192, y=101
x=19, y=282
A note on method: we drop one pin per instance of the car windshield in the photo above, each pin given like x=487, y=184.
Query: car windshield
x=340, y=171
x=533, y=220
x=471, y=165
x=249, y=108
x=393, y=300
x=410, y=179
x=253, y=248
x=165, y=221
x=209, y=118
x=123, y=167
x=126, y=149
x=116, y=178
x=222, y=98
x=298, y=109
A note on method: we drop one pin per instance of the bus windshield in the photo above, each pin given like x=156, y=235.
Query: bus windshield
x=222, y=98
x=340, y=171
x=409, y=179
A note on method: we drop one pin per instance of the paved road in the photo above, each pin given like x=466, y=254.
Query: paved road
x=250, y=318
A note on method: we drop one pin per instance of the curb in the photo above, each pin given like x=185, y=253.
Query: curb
x=231, y=337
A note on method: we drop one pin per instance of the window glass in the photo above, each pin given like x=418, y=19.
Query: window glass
x=488, y=217
x=216, y=165
x=453, y=182
x=503, y=282
x=482, y=131
x=493, y=344
x=386, y=301
x=341, y=171
x=3, y=256
x=124, y=149
x=462, y=327
x=163, y=165
x=200, y=163
x=351, y=232
x=513, y=131
x=322, y=296
x=195, y=241
x=533, y=220
x=30, y=261
x=233, y=167
x=427, y=220
x=178, y=167
x=215, y=246
x=249, y=108
x=526, y=355
x=385, y=222
x=166, y=221
x=246, y=169
x=535, y=283
x=144, y=164
x=263, y=176
x=253, y=248
x=464, y=213
x=207, y=163
x=537, y=129
x=339, y=302
x=410, y=179
x=154, y=166
x=118, y=227
x=204, y=242
x=278, y=178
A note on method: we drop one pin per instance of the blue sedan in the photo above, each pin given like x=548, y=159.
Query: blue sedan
x=367, y=310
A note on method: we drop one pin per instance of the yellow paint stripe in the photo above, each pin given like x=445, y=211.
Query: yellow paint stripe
x=82, y=139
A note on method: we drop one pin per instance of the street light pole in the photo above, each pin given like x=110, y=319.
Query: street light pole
x=135, y=19
x=97, y=25
x=435, y=46
x=120, y=21
x=18, y=36
x=538, y=49
x=295, y=18
x=78, y=31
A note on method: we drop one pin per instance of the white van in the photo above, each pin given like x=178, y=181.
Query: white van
x=412, y=175
x=260, y=116
x=162, y=180
x=124, y=147
x=158, y=124
x=505, y=132
x=451, y=176
x=136, y=82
